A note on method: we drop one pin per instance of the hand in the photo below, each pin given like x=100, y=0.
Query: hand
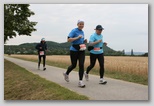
x=105, y=43
x=80, y=36
x=85, y=41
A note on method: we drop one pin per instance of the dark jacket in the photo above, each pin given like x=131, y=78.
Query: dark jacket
x=43, y=45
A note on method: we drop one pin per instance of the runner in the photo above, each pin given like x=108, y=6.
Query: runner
x=41, y=47
x=96, y=52
x=77, y=52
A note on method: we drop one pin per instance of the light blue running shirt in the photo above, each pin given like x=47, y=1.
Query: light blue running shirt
x=94, y=37
x=75, y=33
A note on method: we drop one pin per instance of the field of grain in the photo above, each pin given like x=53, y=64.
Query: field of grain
x=132, y=65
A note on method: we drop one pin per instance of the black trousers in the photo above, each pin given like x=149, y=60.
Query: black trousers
x=93, y=58
x=39, y=60
x=74, y=56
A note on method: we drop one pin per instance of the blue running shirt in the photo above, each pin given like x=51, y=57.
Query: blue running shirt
x=75, y=33
x=94, y=37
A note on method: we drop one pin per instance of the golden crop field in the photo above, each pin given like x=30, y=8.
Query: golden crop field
x=132, y=65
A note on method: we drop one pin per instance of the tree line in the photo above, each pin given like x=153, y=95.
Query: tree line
x=55, y=48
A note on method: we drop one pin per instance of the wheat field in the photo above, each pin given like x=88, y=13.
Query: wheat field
x=132, y=65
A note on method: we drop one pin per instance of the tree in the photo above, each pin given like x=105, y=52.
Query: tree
x=145, y=54
x=16, y=20
x=132, y=53
x=123, y=52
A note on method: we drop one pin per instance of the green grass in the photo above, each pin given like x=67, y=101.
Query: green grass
x=20, y=84
x=127, y=77
x=108, y=73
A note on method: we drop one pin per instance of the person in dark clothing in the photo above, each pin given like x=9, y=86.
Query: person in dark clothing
x=41, y=47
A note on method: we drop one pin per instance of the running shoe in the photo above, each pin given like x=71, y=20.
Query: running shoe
x=86, y=76
x=81, y=84
x=66, y=77
x=102, y=81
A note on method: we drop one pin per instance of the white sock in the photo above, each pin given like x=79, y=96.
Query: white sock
x=80, y=81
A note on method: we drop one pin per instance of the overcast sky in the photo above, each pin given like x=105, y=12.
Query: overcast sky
x=126, y=25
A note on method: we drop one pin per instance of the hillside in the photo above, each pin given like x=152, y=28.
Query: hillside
x=54, y=48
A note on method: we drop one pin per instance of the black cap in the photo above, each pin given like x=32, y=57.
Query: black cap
x=99, y=27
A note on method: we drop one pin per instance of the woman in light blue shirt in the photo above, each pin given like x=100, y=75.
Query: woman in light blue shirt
x=77, y=51
x=96, y=52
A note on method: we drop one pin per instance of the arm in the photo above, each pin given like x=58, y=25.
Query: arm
x=71, y=36
x=73, y=39
x=94, y=43
x=38, y=47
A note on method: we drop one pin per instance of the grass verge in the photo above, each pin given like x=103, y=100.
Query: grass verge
x=20, y=84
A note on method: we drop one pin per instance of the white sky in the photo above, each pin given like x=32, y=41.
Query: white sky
x=126, y=25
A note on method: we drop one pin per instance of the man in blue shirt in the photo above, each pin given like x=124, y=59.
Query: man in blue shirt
x=77, y=51
x=96, y=52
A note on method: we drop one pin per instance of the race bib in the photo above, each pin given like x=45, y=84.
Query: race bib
x=82, y=47
x=41, y=53
x=97, y=49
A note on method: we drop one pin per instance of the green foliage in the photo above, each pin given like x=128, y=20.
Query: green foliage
x=146, y=54
x=16, y=20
